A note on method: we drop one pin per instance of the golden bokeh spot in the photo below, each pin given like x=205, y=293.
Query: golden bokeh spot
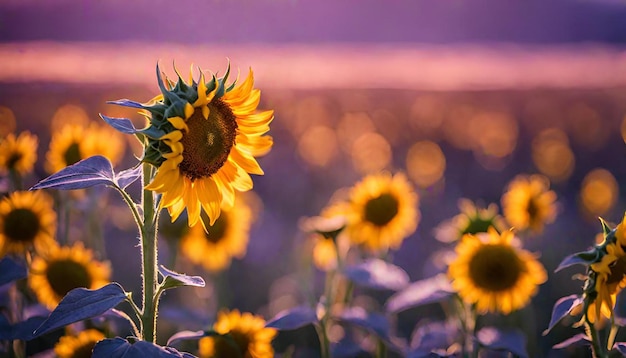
x=208, y=142
x=351, y=127
x=599, y=192
x=552, y=154
x=426, y=115
x=66, y=275
x=456, y=127
x=21, y=225
x=494, y=133
x=7, y=121
x=425, y=163
x=307, y=112
x=69, y=114
x=381, y=210
x=495, y=268
x=371, y=153
x=318, y=145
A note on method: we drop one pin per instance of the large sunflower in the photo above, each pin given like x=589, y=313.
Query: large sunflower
x=73, y=143
x=381, y=211
x=63, y=269
x=203, y=138
x=471, y=220
x=528, y=203
x=610, y=275
x=247, y=337
x=214, y=246
x=493, y=274
x=18, y=154
x=26, y=220
x=78, y=346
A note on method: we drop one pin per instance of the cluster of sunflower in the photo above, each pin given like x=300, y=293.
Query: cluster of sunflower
x=28, y=228
x=488, y=271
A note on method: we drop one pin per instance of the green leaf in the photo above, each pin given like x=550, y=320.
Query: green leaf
x=173, y=279
x=579, y=258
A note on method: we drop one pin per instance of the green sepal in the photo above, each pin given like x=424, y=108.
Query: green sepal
x=605, y=227
x=582, y=258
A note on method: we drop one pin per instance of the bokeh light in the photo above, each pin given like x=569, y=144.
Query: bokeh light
x=318, y=145
x=7, y=121
x=69, y=114
x=425, y=163
x=587, y=127
x=552, y=154
x=599, y=192
x=371, y=152
x=351, y=127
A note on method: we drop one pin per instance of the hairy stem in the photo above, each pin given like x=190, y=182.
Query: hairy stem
x=149, y=260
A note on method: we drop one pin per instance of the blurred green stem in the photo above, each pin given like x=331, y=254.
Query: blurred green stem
x=16, y=180
x=596, y=346
x=149, y=260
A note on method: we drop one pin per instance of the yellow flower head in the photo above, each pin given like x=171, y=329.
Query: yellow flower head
x=493, y=274
x=251, y=338
x=63, y=269
x=27, y=220
x=214, y=247
x=471, y=220
x=610, y=276
x=78, y=346
x=73, y=143
x=203, y=138
x=528, y=203
x=18, y=154
x=381, y=212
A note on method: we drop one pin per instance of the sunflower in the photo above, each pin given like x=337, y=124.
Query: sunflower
x=528, y=204
x=247, y=337
x=490, y=272
x=78, y=346
x=471, y=220
x=204, y=138
x=381, y=211
x=63, y=269
x=227, y=237
x=73, y=143
x=610, y=275
x=26, y=220
x=18, y=154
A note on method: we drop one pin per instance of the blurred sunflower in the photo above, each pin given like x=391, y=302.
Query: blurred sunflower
x=381, y=211
x=471, y=220
x=528, y=203
x=18, y=154
x=63, y=269
x=325, y=230
x=73, y=143
x=247, y=337
x=214, y=247
x=26, y=220
x=610, y=275
x=490, y=272
x=78, y=346
x=203, y=138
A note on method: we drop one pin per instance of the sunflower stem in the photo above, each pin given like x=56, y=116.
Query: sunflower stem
x=596, y=346
x=149, y=260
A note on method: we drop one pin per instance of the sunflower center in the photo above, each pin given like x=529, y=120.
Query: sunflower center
x=476, y=225
x=21, y=225
x=237, y=346
x=381, y=210
x=207, y=144
x=84, y=351
x=217, y=232
x=533, y=210
x=618, y=270
x=72, y=154
x=13, y=160
x=66, y=275
x=495, y=268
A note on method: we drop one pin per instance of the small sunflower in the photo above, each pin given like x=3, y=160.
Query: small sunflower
x=493, y=274
x=26, y=220
x=73, y=143
x=247, y=337
x=528, y=203
x=78, y=346
x=381, y=211
x=204, y=138
x=63, y=269
x=18, y=154
x=610, y=275
x=471, y=220
x=214, y=246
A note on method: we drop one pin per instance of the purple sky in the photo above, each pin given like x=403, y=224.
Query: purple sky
x=310, y=21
